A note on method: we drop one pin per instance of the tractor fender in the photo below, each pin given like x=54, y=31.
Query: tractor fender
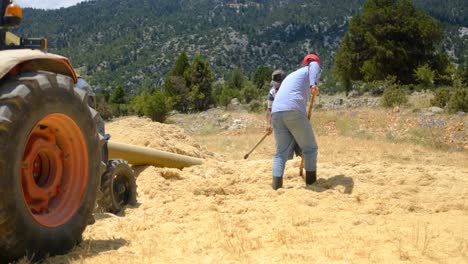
x=16, y=61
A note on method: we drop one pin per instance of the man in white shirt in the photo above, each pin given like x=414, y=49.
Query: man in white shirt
x=289, y=119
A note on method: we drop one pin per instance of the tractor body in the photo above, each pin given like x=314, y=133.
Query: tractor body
x=50, y=148
x=54, y=151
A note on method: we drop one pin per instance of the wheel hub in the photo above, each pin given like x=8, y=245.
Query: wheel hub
x=42, y=173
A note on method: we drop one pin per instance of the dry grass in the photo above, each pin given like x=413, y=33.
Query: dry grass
x=375, y=202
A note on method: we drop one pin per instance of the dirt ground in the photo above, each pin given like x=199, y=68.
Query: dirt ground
x=374, y=202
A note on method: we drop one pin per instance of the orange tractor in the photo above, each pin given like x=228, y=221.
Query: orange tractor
x=53, y=150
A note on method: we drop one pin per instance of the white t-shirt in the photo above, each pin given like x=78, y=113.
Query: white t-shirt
x=295, y=89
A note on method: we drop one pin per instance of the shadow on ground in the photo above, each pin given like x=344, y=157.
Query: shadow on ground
x=87, y=248
x=93, y=247
x=97, y=246
x=338, y=180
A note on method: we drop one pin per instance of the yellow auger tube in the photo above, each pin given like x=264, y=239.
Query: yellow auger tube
x=137, y=155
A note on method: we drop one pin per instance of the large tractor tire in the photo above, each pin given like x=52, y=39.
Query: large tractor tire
x=118, y=186
x=50, y=165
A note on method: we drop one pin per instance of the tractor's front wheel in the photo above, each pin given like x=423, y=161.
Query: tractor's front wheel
x=118, y=186
x=50, y=165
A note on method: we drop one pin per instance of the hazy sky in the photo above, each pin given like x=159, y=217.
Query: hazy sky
x=46, y=4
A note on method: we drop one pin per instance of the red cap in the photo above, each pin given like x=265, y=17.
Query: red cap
x=310, y=57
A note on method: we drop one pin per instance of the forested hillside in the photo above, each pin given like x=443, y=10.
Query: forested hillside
x=134, y=43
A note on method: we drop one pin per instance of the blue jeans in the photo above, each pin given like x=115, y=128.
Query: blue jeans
x=287, y=127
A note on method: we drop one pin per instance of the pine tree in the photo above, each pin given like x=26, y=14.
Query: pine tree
x=390, y=38
x=118, y=102
x=117, y=96
x=236, y=80
x=175, y=85
x=181, y=64
x=262, y=76
x=199, y=78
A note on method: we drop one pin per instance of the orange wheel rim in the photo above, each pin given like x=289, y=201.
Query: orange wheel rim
x=54, y=170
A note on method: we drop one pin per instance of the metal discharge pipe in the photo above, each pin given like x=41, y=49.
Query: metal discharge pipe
x=137, y=155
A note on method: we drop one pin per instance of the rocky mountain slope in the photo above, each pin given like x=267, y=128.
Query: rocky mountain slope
x=134, y=44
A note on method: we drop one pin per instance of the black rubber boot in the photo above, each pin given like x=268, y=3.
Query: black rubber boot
x=277, y=183
x=311, y=177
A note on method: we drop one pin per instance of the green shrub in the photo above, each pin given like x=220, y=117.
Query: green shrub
x=119, y=109
x=227, y=94
x=376, y=88
x=425, y=75
x=394, y=96
x=250, y=92
x=462, y=75
x=441, y=97
x=256, y=106
x=216, y=91
x=458, y=101
x=157, y=109
x=152, y=105
x=411, y=87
